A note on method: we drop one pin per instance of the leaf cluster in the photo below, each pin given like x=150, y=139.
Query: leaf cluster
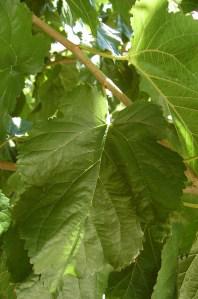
x=103, y=202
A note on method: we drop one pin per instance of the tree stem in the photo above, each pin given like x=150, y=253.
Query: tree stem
x=75, y=49
x=5, y=165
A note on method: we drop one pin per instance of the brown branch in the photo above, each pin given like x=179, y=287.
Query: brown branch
x=75, y=49
x=5, y=165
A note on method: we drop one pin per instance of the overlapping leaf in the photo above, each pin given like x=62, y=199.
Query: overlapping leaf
x=149, y=167
x=21, y=53
x=164, y=53
x=137, y=280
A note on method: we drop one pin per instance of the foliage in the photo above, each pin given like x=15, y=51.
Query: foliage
x=103, y=202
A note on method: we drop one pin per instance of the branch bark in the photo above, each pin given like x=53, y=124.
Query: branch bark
x=5, y=165
x=75, y=49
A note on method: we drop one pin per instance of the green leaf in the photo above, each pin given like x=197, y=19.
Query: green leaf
x=85, y=10
x=33, y=288
x=189, y=5
x=148, y=166
x=165, y=287
x=7, y=289
x=5, y=215
x=114, y=215
x=108, y=39
x=16, y=257
x=137, y=280
x=83, y=164
x=187, y=275
x=123, y=8
x=90, y=287
x=189, y=222
x=18, y=58
x=53, y=85
x=69, y=150
x=168, y=71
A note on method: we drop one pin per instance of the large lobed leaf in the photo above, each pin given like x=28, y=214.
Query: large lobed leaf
x=86, y=179
x=164, y=53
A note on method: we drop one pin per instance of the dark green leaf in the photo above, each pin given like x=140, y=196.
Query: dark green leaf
x=189, y=5
x=16, y=256
x=137, y=281
x=148, y=166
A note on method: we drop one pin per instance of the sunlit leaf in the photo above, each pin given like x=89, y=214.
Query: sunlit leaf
x=164, y=53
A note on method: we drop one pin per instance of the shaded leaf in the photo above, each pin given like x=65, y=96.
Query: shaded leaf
x=16, y=257
x=148, y=166
x=189, y=5
x=137, y=281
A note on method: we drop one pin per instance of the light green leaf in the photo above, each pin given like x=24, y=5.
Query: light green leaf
x=187, y=275
x=164, y=53
x=90, y=287
x=5, y=214
x=21, y=53
x=34, y=289
x=165, y=287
